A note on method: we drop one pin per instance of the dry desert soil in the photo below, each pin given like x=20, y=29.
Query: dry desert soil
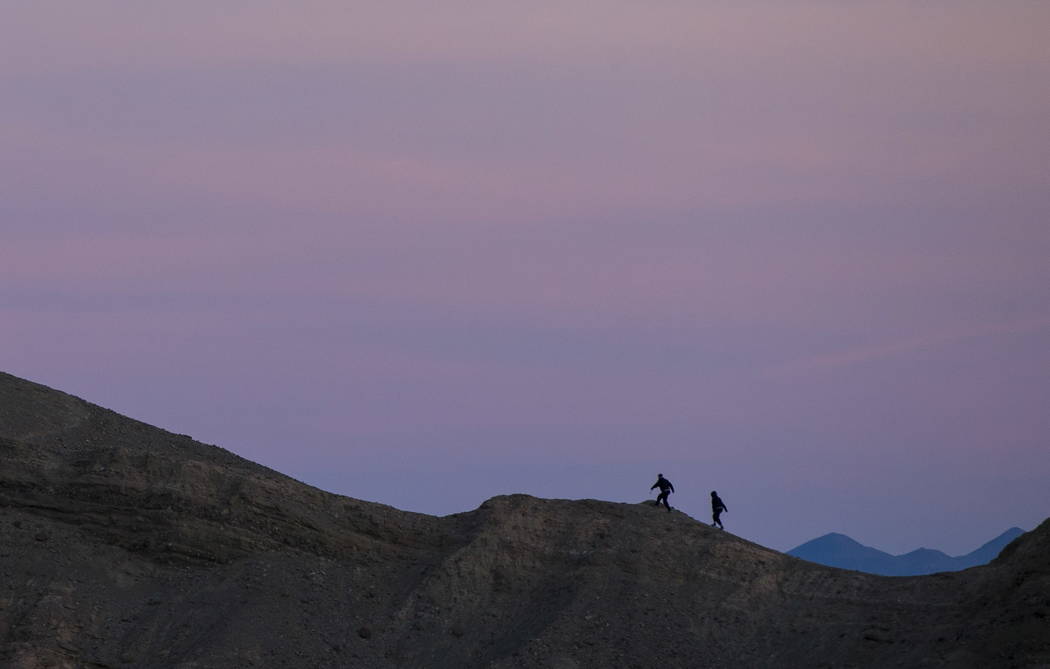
x=122, y=545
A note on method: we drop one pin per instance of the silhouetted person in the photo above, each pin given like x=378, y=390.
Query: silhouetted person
x=665, y=489
x=717, y=507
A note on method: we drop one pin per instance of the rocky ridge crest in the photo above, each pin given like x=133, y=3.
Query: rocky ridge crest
x=127, y=546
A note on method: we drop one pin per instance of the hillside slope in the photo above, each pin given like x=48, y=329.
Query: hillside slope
x=127, y=546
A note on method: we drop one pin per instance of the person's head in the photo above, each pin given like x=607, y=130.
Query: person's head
x=714, y=494
x=659, y=476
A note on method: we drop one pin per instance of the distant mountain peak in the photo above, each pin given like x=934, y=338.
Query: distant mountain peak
x=924, y=552
x=839, y=550
x=837, y=536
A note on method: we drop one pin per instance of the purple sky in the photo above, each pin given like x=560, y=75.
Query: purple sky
x=798, y=252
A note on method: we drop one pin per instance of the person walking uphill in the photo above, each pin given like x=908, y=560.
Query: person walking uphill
x=717, y=507
x=665, y=489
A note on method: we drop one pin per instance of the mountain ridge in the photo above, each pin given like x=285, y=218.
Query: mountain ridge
x=839, y=550
x=128, y=546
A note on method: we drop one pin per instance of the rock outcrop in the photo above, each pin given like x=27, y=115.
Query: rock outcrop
x=122, y=545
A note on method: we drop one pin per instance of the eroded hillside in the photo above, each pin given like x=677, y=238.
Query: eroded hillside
x=127, y=546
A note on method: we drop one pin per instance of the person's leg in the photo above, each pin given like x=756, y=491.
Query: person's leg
x=718, y=520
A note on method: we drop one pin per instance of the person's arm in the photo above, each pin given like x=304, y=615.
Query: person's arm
x=671, y=485
x=654, y=485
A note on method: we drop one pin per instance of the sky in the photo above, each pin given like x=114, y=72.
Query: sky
x=419, y=254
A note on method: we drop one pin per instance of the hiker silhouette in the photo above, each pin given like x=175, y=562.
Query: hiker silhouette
x=717, y=507
x=665, y=489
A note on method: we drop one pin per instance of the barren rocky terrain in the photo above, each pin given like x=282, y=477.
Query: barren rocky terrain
x=122, y=545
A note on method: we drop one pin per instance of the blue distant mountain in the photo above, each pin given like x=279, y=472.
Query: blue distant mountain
x=838, y=550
